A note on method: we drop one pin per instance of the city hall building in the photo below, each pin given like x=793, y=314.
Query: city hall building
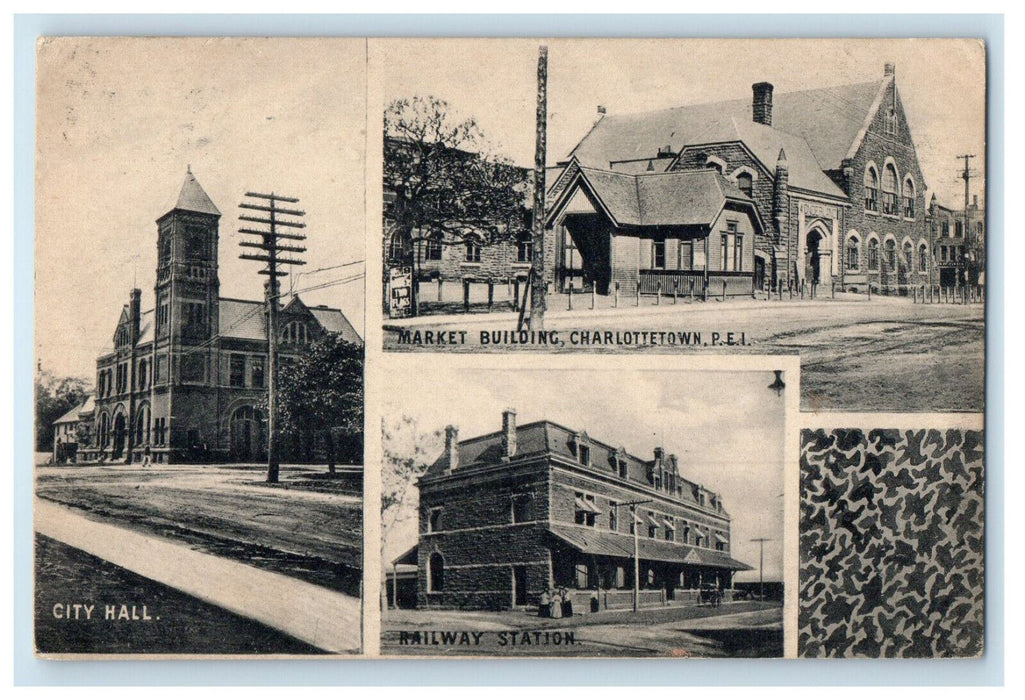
x=182, y=381
x=507, y=515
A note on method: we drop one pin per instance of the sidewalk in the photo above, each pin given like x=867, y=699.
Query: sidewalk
x=558, y=309
x=316, y=615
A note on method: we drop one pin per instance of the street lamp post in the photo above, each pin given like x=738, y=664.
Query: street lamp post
x=761, y=562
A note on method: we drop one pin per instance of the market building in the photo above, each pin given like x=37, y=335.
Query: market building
x=507, y=515
x=182, y=381
x=833, y=173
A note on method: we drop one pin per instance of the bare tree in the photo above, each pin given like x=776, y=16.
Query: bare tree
x=443, y=183
x=408, y=452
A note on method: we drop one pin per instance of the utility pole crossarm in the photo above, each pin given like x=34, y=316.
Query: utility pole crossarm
x=268, y=241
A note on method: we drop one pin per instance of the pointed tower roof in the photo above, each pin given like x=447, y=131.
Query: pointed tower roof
x=194, y=198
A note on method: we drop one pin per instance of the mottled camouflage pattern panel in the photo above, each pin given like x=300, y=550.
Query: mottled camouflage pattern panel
x=891, y=543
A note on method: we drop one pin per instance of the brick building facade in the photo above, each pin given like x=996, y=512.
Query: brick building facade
x=959, y=250
x=507, y=515
x=183, y=380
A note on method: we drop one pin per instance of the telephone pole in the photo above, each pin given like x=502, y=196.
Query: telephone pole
x=271, y=250
x=538, y=281
x=966, y=175
x=637, y=559
x=761, y=564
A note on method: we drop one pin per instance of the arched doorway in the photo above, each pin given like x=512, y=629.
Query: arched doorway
x=246, y=429
x=120, y=432
x=813, y=258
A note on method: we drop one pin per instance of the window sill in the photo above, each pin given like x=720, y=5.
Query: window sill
x=470, y=264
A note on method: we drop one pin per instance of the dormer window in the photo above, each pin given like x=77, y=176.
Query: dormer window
x=584, y=455
x=745, y=183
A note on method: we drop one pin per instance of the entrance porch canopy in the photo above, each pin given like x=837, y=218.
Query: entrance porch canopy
x=612, y=544
x=677, y=199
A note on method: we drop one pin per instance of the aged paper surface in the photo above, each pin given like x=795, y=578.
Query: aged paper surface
x=821, y=201
x=708, y=392
x=159, y=529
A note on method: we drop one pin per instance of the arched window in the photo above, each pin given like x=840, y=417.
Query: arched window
x=296, y=332
x=871, y=189
x=142, y=374
x=853, y=253
x=890, y=190
x=436, y=573
x=715, y=163
x=873, y=254
x=142, y=425
x=397, y=249
x=745, y=183
x=472, y=250
x=890, y=254
x=909, y=256
x=923, y=257
x=909, y=198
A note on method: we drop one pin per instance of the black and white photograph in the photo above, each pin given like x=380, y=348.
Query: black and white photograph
x=589, y=508
x=199, y=346
x=823, y=198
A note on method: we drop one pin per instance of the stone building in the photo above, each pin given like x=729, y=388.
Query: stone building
x=72, y=428
x=958, y=250
x=182, y=380
x=507, y=515
x=833, y=173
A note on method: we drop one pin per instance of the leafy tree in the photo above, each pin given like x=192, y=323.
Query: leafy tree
x=443, y=183
x=321, y=392
x=408, y=452
x=55, y=396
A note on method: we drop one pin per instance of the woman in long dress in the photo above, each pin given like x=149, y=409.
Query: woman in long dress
x=557, y=605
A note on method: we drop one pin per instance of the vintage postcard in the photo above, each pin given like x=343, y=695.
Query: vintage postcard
x=199, y=323
x=816, y=197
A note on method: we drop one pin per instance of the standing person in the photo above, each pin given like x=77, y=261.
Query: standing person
x=145, y=457
x=567, y=604
x=544, y=606
x=556, y=605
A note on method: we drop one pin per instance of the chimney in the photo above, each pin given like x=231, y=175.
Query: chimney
x=660, y=454
x=135, y=314
x=451, y=448
x=761, y=105
x=509, y=433
x=889, y=69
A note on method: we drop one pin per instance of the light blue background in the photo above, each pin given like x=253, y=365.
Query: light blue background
x=31, y=671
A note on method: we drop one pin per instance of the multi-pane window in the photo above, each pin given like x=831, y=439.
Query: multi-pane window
x=853, y=253
x=584, y=509
x=909, y=199
x=584, y=454
x=524, y=247
x=871, y=190
x=731, y=248
x=258, y=372
x=745, y=183
x=670, y=533
x=890, y=252
x=890, y=190
x=923, y=258
x=909, y=256
x=613, y=516
x=237, y=373
x=397, y=247
x=658, y=255
x=432, y=249
x=194, y=321
x=684, y=255
x=472, y=251
x=873, y=254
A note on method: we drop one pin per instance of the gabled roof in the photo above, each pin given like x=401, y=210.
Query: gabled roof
x=334, y=321
x=242, y=319
x=817, y=128
x=678, y=198
x=73, y=416
x=194, y=198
